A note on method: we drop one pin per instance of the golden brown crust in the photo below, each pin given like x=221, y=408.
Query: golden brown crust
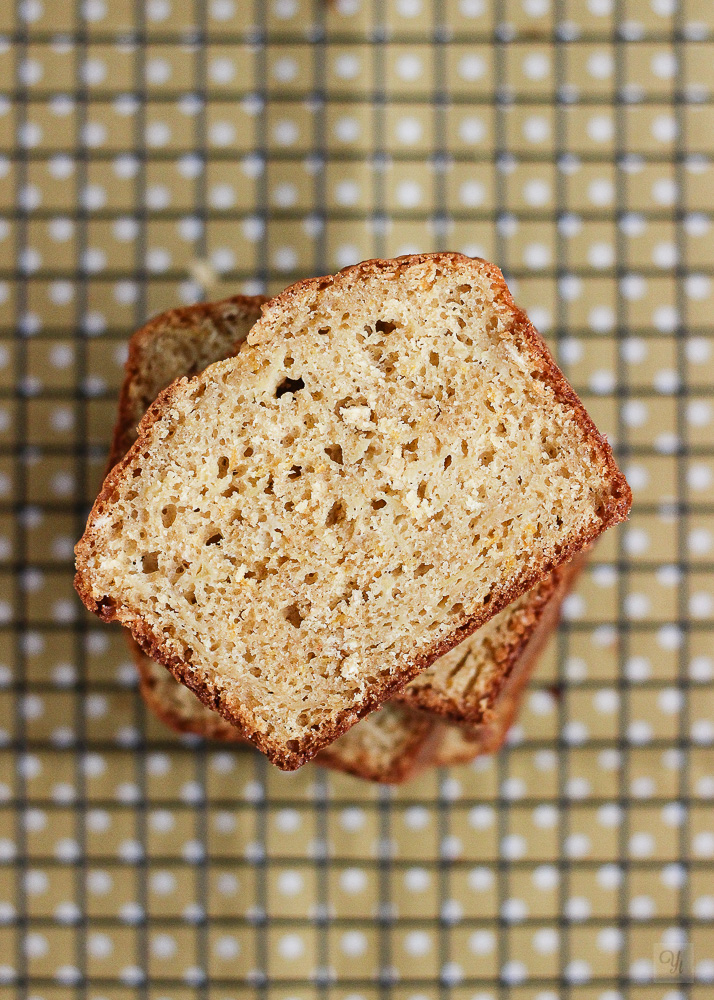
x=614, y=510
x=175, y=319
x=417, y=751
x=504, y=696
x=415, y=756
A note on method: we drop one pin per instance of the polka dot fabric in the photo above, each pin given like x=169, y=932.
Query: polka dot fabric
x=152, y=154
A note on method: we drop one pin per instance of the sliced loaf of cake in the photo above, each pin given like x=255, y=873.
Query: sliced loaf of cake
x=303, y=528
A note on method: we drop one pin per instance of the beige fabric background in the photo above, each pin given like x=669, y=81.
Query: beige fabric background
x=153, y=153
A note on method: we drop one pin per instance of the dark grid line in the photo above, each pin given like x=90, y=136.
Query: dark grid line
x=683, y=589
x=623, y=580
x=21, y=369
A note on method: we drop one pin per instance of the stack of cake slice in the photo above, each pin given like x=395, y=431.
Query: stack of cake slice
x=363, y=505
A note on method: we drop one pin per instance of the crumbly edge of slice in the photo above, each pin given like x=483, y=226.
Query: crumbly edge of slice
x=461, y=743
x=410, y=748
x=210, y=689
x=222, y=316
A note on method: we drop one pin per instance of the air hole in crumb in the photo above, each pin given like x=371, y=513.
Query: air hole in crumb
x=269, y=486
x=464, y=448
x=456, y=609
x=289, y=385
x=292, y=614
x=136, y=472
x=433, y=358
x=190, y=596
x=323, y=330
x=223, y=464
x=288, y=362
x=150, y=562
x=447, y=461
x=378, y=504
x=334, y=451
x=423, y=568
x=335, y=514
x=421, y=492
x=293, y=745
x=248, y=452
x=311, y=578
x=168, y=515
x=295, y=472
x=214, y=539
x=303, y=719
x=385, y=326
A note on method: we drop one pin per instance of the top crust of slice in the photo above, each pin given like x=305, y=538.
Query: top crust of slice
x=180, y=342
x=463, y=553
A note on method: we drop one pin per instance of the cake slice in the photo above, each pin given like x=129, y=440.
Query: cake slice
x=394, y=743
x=305, y=527
x=389, y=746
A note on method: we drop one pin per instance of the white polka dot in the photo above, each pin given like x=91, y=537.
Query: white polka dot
x=546, y=941
x=347, y=193
x=285, y=70
x=480, y=879
x=536, y=66
x=409, y=194
x=575, y=732
x=409, y=67
x=536, y=256
x=472, y=193
x=416, y=879
x=546, y=816
x=409, y=8
x=701, y=669
x=481, y=817
x=578, y=971
x=347, y=66
x=642, y=908
x=347, y=129
x=601, y=255
x=702, y=732
x=409, y=130
x=705, y=786
x=536, y=129
x=665, y=191
x=664, y=128
x=291, y=947
x=577, y=788
x=416, y=943
x=227, y=948
x=352, y=819
x=513, y=847
x=471, y=67
x=609, y=876
x=601, y=319
x=602, y=382
x=514, y=910
x=472, y=8
x=642, y=845
x=642, y=787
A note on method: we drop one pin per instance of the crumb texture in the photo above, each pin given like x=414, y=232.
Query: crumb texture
x=176, y=344
x=305, y=526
